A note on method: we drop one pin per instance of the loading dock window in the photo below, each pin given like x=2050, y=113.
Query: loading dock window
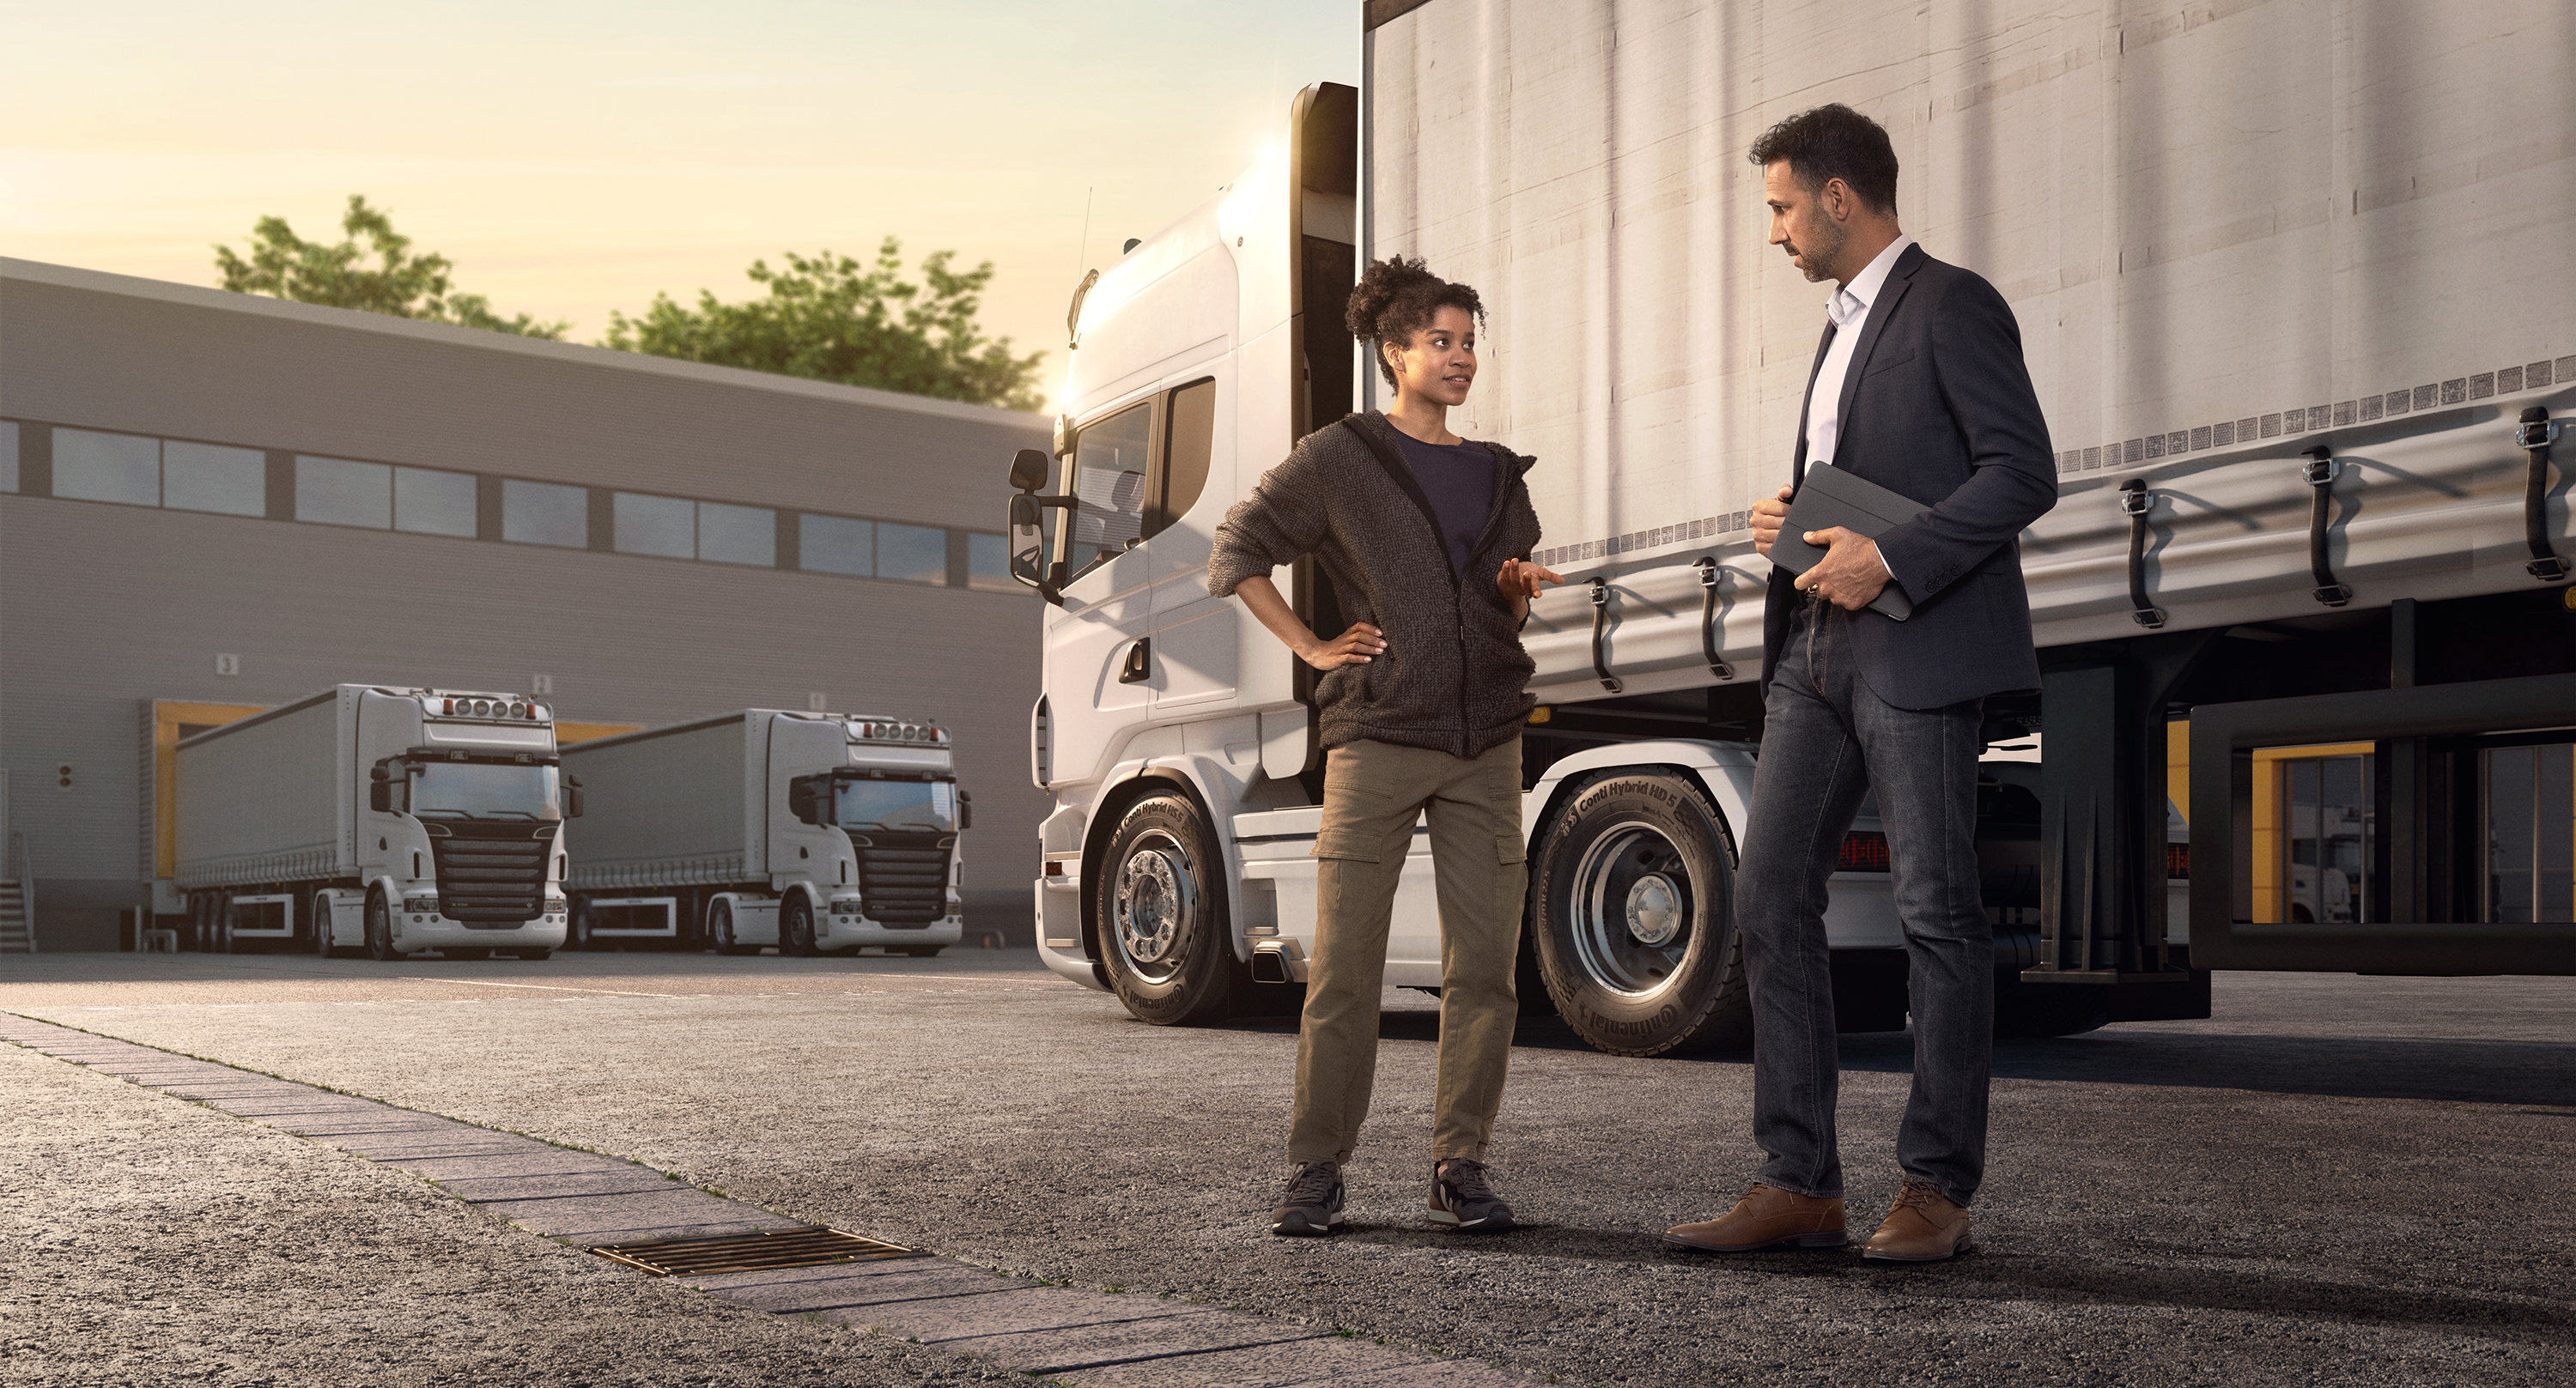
x=139, y=470
x=658, y=525
x=336, y=491
x=545, y=513
x=210, y=477
x=2530, y=833
x=836, y=545
x=91, y=466
x=737, y=534
x=430, y=502
x=912, y=553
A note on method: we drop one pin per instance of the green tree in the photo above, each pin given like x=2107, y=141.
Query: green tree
x=830, y=318
x=284, y=265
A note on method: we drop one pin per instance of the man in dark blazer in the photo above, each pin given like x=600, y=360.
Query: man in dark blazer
x=1919, y=387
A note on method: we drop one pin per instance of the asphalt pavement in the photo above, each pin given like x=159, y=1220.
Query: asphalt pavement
x=2334, y=1180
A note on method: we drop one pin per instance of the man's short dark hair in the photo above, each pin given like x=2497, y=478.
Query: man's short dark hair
x=1833, y=142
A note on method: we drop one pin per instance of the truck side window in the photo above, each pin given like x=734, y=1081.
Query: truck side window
x=1110, y=462
x=1192, y=438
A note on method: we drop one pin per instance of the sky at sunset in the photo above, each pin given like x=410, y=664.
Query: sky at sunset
x=573, y=158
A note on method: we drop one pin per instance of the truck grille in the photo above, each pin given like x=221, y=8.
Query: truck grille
x=492, y=876
x=904, y=886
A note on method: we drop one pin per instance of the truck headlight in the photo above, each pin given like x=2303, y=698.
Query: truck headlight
x=845, y=906
x=421, y=905
x=554, y=905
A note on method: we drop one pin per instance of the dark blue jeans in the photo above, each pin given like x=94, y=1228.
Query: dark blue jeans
x=1827, y=741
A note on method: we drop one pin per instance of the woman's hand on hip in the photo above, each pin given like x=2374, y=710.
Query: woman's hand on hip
x=1357, y=646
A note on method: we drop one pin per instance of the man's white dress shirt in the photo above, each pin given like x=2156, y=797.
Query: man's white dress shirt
x=1849, y=308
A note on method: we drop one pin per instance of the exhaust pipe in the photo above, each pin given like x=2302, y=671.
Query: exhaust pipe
x=1278, y=961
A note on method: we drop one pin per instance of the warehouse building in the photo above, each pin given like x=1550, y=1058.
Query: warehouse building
x=212, y=503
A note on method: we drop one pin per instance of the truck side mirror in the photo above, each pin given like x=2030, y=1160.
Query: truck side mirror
x=572, y=796
x=965, y=811
x=380, y=793
x=1028, y=470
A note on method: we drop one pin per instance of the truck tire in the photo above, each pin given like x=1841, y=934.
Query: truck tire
x=1633, y=906
x=577, y=934
x=923, y=951
x=322, y=927
x=380, y=927
x=720, y=930
x=796, y=926
x=536, y=954
x=223, y=941
x=1164, y=936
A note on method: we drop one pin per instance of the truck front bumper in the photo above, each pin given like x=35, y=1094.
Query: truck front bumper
x=415, y=931
x=850, y=932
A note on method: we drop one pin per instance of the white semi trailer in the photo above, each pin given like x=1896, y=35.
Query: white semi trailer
x=2293, y=284
x=386, y=820
x=818, y=833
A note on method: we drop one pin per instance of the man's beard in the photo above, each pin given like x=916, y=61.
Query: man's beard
x=1813, y=255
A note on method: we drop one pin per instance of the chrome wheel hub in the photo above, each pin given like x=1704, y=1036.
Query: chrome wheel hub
x=1633, y=910
x=1156, y=892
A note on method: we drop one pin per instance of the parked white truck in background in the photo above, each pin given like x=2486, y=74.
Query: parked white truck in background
x=2292, y=281
x=389, y=820
x=818, y=833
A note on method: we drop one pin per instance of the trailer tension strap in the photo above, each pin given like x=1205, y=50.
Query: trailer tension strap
x=1711, y=578
x=2135, y=502
x=1600, y=630
x=2320, y=472
x=2535, y=435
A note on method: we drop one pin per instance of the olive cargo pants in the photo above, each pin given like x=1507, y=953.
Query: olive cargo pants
x=1372, y=793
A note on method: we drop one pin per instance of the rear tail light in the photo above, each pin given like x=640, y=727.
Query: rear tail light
x=2178, y=860
x=1864, y=850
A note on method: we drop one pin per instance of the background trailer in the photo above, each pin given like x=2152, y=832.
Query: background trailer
x=211, y=504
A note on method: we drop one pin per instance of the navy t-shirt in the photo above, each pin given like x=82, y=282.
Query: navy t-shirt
x=1459, y=480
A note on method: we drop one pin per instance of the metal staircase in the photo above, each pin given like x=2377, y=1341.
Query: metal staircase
x=17, y=900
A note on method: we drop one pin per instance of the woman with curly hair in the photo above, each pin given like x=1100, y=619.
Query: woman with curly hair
x=1426, y=539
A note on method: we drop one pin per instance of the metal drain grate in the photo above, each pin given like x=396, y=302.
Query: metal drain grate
x=777, y=1248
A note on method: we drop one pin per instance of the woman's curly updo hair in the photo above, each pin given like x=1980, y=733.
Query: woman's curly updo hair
x=1396, y=298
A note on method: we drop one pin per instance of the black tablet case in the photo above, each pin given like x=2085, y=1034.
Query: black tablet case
x=1831, y=496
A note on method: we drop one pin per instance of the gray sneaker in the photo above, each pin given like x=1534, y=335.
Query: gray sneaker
x=1463, y=1199
x=1312, y=1204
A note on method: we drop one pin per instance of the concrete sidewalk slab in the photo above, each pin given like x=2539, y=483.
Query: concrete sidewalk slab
x=557, y=1185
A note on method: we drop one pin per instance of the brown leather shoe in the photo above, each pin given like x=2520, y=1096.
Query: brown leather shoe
x=1921, y=1227
x=1767, y=1217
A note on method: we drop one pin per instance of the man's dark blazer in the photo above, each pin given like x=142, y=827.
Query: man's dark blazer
x=1937, y=405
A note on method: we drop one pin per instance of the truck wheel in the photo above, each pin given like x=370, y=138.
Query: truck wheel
x=322, y=927
x=923, y=951
x=1167, y=945
x=461, y=952
x=536, y=954
x=380, y=927
x=223, y=941
x=577, y=935
x=1633, y=906
x=720, y=930
x=796, y=926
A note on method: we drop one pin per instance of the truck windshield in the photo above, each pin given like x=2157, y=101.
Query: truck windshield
x=482, y=790
x=896, y=805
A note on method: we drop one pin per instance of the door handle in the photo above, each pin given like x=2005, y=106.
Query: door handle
x=1139, y=664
